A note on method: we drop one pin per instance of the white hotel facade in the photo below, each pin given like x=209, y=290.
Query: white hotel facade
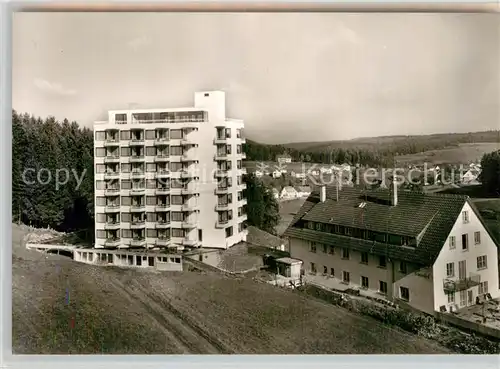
x=170, y=177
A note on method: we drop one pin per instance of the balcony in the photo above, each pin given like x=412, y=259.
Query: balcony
x=242, y=202
x=222, y=207
x=222, y=223
x=222, y=190
x=112, y=159
x=112, y=242
x=162, y=224
x=137, y=224
x=137, y=190
x=137, y=208
x=160, y=141
x=162, y=207
x=112, y=175
x=221, y=173
x=221, y=156
x=243, y=155
x=109, y=142
x=242, y=171
x=162, y=191
x=163, y=241
x=162, y=158
x=243, y=140
x=163, y=173
x=112, y=208
x=138, y=242
x=137, y=173
x=242, y=218
x=451, y=285
x=189, y=173
x=136, y=158
x=220, y=140
x=136, y=142
x=111, y=191
x=112, y=225
x=242, y=186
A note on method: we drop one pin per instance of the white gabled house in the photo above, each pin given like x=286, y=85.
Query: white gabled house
x=258, y=173
x=432, y=252
x=288, y=193
x=303, y=191
x=276, y=174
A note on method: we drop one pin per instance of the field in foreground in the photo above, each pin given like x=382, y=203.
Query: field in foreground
x=60, y=306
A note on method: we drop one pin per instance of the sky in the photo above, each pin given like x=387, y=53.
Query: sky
x=292, y=77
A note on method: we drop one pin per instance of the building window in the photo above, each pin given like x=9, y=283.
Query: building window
x=364, y=282
x=465, y=241
x=477, y=238
x=364, y=258
x=325, y=270
x=465, y=216
x=483, y=288
x=403, y=268
x=382, y=262
x=463, y=298
x=312, y=247
x=346, y=277
x=452, y=242
x=345, y=253
x=450, y=269
x=482, y=262
x=325, y=249
x=404, y=293
x=332, y=272
x=451, y=297
x=229, y=232
x=313, y=268
x=332, y=250
x=382, y=287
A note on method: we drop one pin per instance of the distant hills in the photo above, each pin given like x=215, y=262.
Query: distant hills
x=372, y=142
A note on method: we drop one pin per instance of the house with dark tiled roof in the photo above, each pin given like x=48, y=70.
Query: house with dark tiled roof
x=430, y=251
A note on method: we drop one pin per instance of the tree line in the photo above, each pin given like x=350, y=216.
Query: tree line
x=381, y=151
x=41, y=150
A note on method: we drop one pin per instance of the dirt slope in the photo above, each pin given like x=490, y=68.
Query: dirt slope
x=60, y=306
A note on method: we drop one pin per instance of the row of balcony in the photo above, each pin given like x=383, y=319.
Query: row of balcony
x=158, y=207
x=185, y=157
x=190, y=190
x=140, y=224
x=141, y=242
x=224, y=155
x=227, y=206
x=161, y=141
x=138, y=173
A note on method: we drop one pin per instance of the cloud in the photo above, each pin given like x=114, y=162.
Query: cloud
x=138, y=42
x=52, y=87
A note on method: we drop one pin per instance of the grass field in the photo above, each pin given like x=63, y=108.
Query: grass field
x=462, y=154
x=64, y=307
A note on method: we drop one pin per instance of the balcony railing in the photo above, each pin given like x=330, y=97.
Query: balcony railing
x=137, y=190
x=112, y=208
x=162, y=190
x=112, y=241
x=111, y=191
x=162, y=223
x=222, y=223
x=137, y=173
x=162, y=157
x=111, y=174
x=222, y=206
x=138, y=241
x=111, y=158
x=455, y=285
x=133, y=158
x=162, y=173
x=163, y=241
x=221, y=156
x=114, y=224
x=111, y=142
x=177, y=120
x=162, y=207
x=137, y=207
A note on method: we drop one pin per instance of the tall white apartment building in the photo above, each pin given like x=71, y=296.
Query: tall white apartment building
x=170, y=177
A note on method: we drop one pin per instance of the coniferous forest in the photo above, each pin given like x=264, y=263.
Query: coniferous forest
x=46, y=154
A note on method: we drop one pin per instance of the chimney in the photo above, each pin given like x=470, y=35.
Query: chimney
x=322, y=193
x=394, y=192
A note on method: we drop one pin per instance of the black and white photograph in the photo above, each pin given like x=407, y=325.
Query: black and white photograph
x=234, y=183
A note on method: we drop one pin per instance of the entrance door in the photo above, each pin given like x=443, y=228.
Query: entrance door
x=469, y=297
x=462, y=269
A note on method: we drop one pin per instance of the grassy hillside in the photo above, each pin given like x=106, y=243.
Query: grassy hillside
x=63, y=307
x=462, y=154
